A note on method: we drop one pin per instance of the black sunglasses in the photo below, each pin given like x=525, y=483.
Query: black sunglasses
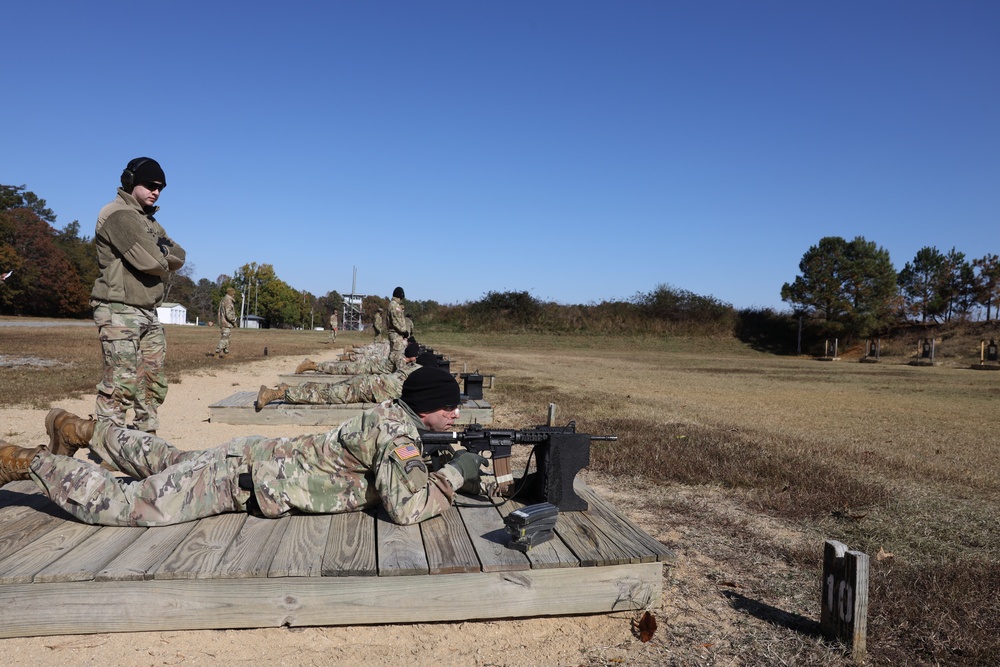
x=154, y=186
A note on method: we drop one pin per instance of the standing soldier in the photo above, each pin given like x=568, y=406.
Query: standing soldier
x=135, y=256
x=397, y=322
x=333, y=327
x=227, y=320
x=378, y=326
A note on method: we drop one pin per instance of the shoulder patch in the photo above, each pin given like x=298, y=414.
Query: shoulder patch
x=406, y=452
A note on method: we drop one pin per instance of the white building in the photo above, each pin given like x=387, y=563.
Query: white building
x=172, y=313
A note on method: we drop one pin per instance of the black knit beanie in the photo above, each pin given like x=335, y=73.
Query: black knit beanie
x=428, y=359
x=428, y=389
x=398, y=293
x=144, y=170
x=411, y=350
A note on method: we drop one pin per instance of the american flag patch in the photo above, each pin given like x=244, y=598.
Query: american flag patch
x=406, y=452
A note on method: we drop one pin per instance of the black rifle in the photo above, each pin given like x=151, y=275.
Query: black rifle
x=560, y=453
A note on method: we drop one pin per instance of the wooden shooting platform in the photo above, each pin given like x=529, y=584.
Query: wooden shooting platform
x=238, y=409
x=59, y=576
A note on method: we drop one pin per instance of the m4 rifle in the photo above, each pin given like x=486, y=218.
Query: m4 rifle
x=559, y=451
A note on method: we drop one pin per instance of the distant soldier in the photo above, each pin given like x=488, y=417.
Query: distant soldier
x=365, y=365
x=398, y=332
x=378, y=326
x=333, y=328
x=227, y=320
x=373, y=459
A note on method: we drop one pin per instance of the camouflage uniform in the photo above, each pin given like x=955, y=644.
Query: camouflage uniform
x=361, y=367
x=370, y=351
x=135, y=349
x=359, y=389
x=378, y=327
x=135, y=256
x=227, y=320
x=397, y=325
x=376, y=456
x=333, y=328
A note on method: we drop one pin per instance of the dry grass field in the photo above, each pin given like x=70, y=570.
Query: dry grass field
x=742, y=462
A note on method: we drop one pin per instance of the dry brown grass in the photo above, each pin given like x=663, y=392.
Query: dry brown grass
x=42, y=364
x=741, y=462
x=880, y=456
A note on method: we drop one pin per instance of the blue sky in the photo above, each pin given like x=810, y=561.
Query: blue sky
x=579, y=150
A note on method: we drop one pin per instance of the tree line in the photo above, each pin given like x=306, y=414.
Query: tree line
x=853, y=288
x=845, y=288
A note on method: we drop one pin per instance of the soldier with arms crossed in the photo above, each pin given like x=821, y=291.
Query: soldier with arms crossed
x=135, y=256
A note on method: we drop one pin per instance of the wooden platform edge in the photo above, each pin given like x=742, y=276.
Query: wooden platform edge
x=32, y=610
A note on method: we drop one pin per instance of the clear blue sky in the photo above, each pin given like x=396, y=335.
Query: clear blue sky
x=579, y=150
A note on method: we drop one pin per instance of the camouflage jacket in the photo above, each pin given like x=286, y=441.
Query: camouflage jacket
x=227, y=312
x=134, y=254
x=397, y=317
x=376, y=456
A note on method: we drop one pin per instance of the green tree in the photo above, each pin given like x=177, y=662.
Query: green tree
x=988, y=272
x=923, y=284
x=270, y=297
x=851, y=286
x=960, y=286
x=17, y=197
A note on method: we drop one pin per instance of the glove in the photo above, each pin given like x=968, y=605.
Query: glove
x=469, y=465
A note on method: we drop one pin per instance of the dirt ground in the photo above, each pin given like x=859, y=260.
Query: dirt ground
x=700, y=617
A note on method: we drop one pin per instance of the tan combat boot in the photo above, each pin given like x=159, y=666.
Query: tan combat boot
x=67, y=432
x=14, y=461
x=266, y=395
x=306, y=365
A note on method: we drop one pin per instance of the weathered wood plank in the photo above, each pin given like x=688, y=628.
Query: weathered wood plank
x=88, y=558
x=25, y=515
x=28, y=527
x=253, y=548
x=122, y=606
x=142, y=557
x=640, y=540
x=553, y=553
x=199, y=555
x=589, y=544
x=300, y=553
x=22, y=565
x=350, y=550
x=400, y=548
x=449, y=549
x=489, y=537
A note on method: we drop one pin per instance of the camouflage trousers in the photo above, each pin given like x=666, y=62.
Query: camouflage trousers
x=396, y=343
x=135, y=348
x=333, y=335
x=359, y=389
x=169, y=485
x=346, y=367
x=223, y=345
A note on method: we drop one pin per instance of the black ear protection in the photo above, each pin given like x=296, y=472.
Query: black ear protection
x=128, y=175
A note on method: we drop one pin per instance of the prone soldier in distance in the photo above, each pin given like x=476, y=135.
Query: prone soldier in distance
x=373, y=388
x=364, y=366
